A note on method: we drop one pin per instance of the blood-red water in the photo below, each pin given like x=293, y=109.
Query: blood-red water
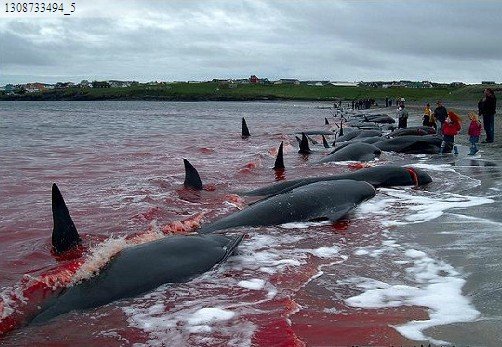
x=119, y=167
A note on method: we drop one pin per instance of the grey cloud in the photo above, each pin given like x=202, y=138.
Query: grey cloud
x=352, y=40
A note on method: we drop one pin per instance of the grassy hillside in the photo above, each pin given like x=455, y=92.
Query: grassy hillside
x=216, y=91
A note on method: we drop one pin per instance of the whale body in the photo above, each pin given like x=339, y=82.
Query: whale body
x=378, y=176
x=329, y=200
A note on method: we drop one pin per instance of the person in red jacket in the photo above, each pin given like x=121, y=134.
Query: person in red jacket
x=474, y=132
x=451, y=127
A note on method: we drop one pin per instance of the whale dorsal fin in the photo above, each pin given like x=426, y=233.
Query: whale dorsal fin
x=324, y=142
x=245, y=130
x=312, y=141
x=192, y=178
x=304, y=145
x=64, y=233
x=279, y=160
x=326, y=121
x=334, y=142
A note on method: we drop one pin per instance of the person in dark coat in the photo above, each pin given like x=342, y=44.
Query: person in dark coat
x=440, y=114
x=487, y=107
x=402, y=115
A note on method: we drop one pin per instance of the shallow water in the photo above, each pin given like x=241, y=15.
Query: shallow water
x=409, y=266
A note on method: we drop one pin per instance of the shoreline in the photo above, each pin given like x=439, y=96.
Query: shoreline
x=211, y=91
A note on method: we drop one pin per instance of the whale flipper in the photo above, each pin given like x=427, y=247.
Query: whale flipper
x=326, y=121
x=298, y=139
x=279, y=160
x=304, y=145
x=324, y=142
x=245, y=130
x=64, y=233
x=340, y=212
x=192, y=178
x=231, y=247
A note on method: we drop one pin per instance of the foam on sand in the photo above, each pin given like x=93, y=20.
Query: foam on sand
x=208, y=315
x=404, y=206
x=437, y=286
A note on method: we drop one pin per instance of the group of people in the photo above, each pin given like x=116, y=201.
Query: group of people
x=450, y=122
x=362, y=104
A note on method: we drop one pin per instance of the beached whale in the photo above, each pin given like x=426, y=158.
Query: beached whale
x=316, y=132
x=421, y=130
x=357, y=151
x=329, y=200
x=137, y=269
x=378, y=176
x=379, y=118
x=411, y=144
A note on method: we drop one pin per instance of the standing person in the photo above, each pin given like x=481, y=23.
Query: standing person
x=451, y=127
x=474, y=132
x=440, y=114
x=402, y=115
x=429, y=119
x=487, y=107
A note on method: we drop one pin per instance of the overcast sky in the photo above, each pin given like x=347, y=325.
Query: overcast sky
x=170, y=40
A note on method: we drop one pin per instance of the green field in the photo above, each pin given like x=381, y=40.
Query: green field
x=240, y=92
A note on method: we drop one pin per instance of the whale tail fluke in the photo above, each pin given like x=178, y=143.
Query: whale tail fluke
x=324, y=142
x=64, y=233
x=326, y=121
x=192, y=178
x=245, y=130
x=304, y=145
x=279, y=160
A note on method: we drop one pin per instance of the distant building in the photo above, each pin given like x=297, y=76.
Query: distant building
x=457, y=84
x=64, y=85
x=287, y=81
x=34, y=87
x=488, y=82
x=100, y=84
x=120, y=84
x=315, y=83
x=84, y=84
x=253, y=79
x=344, y=84
x=242, y=81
